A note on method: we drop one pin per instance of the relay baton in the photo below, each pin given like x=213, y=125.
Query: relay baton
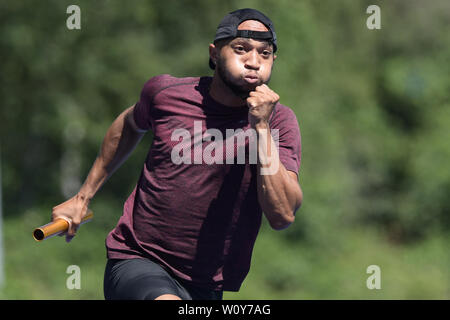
x=57, y=227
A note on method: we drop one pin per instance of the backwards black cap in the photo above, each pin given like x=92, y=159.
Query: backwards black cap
x=228, y=28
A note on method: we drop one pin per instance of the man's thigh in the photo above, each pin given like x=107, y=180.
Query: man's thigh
x=140, y=279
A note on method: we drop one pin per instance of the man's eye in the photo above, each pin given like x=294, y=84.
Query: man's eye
x=239, y=49
x=267, y=53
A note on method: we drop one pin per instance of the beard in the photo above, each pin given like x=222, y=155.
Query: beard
x=240, y=90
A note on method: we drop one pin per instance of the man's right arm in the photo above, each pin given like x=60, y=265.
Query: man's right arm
x=120, y=140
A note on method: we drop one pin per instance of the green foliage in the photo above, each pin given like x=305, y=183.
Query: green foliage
x=373, y=109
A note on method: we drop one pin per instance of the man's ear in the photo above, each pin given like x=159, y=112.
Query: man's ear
x=213, y=52
x=274, y=57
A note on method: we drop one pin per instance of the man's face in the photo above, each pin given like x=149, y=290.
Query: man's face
x=243, y=64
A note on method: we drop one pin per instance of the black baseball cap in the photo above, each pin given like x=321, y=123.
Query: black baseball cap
x=228, y=28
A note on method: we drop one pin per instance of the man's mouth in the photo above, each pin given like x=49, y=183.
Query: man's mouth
x=251, y=78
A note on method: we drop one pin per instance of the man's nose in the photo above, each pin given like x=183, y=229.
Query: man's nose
x=252, y=61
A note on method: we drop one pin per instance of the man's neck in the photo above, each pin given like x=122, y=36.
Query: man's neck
x=220, y=92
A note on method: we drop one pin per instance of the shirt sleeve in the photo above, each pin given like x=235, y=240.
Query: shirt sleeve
x=143, y=108
x=289, y=138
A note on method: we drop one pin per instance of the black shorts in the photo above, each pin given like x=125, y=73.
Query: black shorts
x=143, y=279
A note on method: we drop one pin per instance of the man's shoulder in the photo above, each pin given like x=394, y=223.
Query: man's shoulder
x=162, y=82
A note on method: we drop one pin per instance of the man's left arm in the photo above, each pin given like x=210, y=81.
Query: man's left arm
x=279, y=192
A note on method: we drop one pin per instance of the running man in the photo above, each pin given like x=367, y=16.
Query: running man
x=188, y=228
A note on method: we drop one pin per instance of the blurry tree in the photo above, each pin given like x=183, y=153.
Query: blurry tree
x=373, y=105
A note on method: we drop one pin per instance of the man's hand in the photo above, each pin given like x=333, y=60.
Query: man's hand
x=261, y=103
x=73, y=210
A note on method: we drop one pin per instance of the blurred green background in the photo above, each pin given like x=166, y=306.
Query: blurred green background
x=373, y=109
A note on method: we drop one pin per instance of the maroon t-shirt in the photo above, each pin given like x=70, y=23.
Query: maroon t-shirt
x=199, y=219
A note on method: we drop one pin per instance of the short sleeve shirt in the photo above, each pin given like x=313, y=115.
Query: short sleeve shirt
x=195, y=208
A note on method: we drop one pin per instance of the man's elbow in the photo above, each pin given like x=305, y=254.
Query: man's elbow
x=285, y=220
x=283, y=217
x=299, y=199
x=282, y=223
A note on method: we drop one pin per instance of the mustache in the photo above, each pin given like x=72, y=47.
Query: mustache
x=240, y=90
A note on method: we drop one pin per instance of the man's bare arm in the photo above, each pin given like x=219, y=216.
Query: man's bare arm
x=120, y=140
x=279, y=192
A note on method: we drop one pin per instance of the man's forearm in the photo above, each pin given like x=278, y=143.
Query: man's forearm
x=278, y=193
x=120, y=140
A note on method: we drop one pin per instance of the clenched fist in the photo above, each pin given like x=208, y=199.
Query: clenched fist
x=261, y=102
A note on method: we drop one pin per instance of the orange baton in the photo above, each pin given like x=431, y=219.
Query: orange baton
x=57, y=227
